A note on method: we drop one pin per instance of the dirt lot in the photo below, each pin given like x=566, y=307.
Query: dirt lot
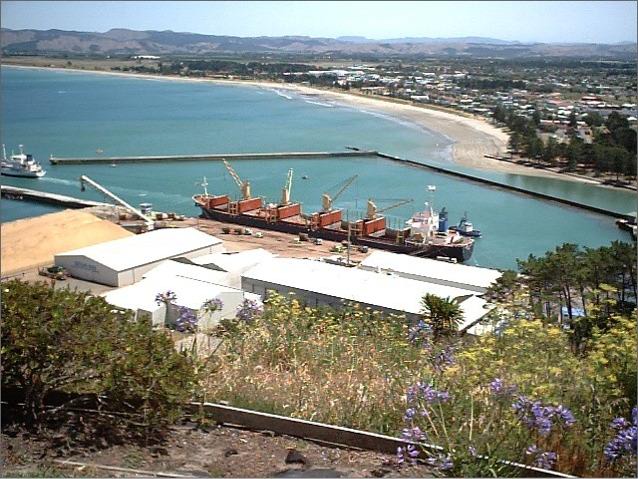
x=278, y=243
x=218, y=452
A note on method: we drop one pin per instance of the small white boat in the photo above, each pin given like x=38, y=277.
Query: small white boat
x=21, y=165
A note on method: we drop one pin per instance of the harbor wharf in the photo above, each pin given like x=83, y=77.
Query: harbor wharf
x=11, y=192
x=213, y=156
x=485, y=181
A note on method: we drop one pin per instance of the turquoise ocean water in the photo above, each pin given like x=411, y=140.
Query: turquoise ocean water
x=74, y=114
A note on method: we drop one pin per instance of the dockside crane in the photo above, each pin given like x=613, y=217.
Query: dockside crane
x=244, y=186
x=373, y=211
x=327, y=200
x=285, y=192
x=85, y=180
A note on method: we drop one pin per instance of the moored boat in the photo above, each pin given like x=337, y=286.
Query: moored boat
x=20, y=165
x=466, y=228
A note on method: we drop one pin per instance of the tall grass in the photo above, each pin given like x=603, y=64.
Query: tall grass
x=352, y=367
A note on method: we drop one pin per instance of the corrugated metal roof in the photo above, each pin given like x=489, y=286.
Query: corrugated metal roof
x=430, y=268
x=126, y=253
x=368, y=287
x=193, y=285
x=234, y=261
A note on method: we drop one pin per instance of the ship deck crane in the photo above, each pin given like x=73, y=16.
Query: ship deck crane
x=85, y=180
x=327, y=200
x=285, y=192
x=373, y=211
x=244, y=186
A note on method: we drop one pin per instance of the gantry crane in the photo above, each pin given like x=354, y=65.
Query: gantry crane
x=373, y=211
x=327, y=200
x=285, y=192
x=244, y=186
x=84, y=180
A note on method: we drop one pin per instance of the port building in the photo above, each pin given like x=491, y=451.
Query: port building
x=124, y=261
x=318, y=283
x=192, y=285
x=444, y=273
x=233, y=263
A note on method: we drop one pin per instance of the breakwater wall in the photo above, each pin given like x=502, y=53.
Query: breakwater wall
x=351, y=152
x=11, y=192
x=485, y=181
x=214, y=156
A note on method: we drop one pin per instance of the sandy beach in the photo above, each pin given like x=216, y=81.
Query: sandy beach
x=472, y=137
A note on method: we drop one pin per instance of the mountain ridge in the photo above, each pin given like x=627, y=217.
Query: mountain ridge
x=128, y=41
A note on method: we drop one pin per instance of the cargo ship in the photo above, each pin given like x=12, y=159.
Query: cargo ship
x=426, y=234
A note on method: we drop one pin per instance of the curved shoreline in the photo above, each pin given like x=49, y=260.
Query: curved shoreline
x=471, y=137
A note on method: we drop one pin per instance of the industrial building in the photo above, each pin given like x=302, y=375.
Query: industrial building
x=234, y=263
x=193, y=286
x=462, y=276
x=318, y=283
x=124, y=261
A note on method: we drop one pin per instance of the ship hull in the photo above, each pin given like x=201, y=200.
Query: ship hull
x=22, y=174
x=460, y=252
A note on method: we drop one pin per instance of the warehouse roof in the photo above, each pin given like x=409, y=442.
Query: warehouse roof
x=193, y=285
x=234, y=261
x=352, y=284
x=126, y=253
x=430, y=268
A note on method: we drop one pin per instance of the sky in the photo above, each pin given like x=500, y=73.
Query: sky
x=573, y=21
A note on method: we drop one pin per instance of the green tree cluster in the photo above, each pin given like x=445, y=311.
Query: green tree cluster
x=61, y=340
x=593, y=285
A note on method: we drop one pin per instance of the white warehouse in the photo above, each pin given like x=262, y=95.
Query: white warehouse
x=319, y=283
x=192, y=285
x=124, y=261
x=462, y=276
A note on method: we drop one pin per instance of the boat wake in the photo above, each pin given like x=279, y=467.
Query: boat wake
x=60, y=181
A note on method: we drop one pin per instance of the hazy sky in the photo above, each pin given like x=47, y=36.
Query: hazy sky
x=575, y=21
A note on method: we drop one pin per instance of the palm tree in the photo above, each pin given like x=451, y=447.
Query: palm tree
x=442, y=314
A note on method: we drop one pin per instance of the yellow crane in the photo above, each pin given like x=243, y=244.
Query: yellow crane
x=373, y=211
x=285, y=192
x=327, y=200
x=244, y=186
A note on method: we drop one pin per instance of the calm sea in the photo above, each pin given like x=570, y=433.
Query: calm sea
x=75, y=114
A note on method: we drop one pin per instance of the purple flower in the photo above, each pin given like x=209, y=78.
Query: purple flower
x=443, y=462
x=472, y=451
x=498, y=387
x=443, y=359
x=625, y=442
x=413, y=452
x=213, y=305
x=249, y=310
x=565, y=415
x=410, y=453
x=619, y=423
x=541, y=418
x=542, y=459
x=409, y=414
x=545, y=460
x=167, y=297
x=413, y=434
x=186, y=321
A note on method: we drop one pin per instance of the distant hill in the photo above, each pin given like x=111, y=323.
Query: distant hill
x=131, y=42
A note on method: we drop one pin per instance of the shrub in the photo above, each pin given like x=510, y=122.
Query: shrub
x=61, y=340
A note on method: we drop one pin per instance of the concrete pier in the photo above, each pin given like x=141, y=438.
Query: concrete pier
x=11, y=192
x=211, y=157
